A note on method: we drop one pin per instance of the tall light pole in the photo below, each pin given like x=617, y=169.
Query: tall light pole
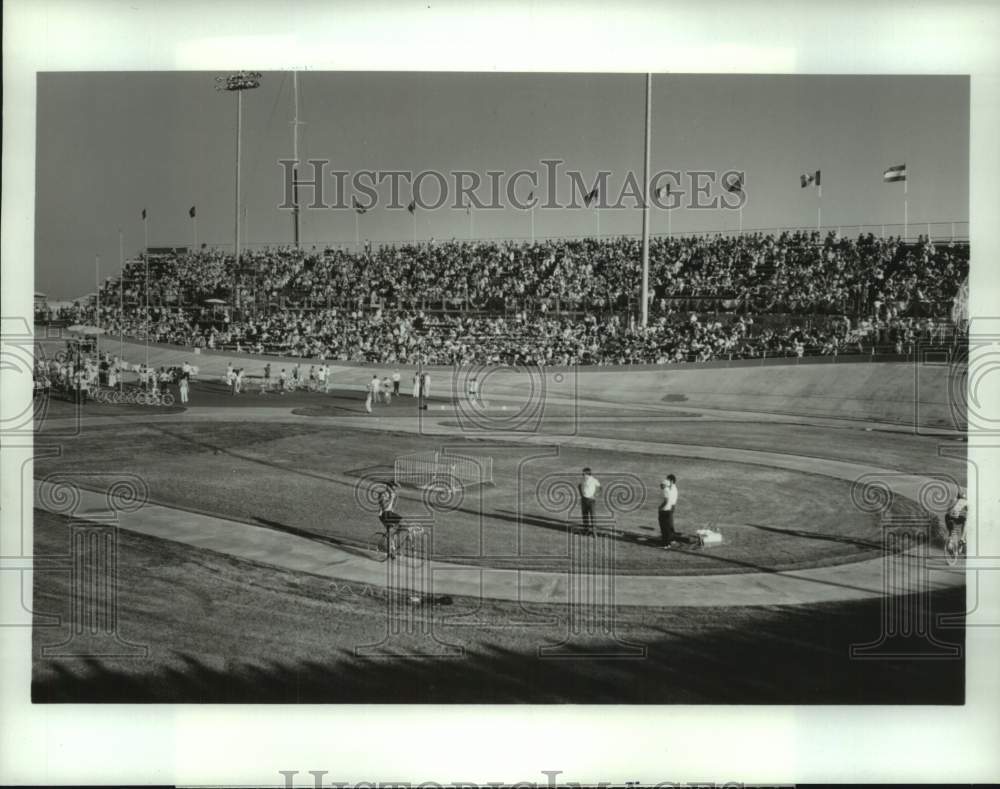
x=645, y=208
x=238, y=82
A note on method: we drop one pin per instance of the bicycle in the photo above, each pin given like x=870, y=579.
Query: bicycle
x=403, y=540
x=954, y=549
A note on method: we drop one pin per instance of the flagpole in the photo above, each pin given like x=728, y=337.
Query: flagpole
x=472, y=223
x=644, y=312
x=357, y=230
x=413, y=213
x=532, y=224
x=906, y=208
x=145, y=255
x=121, y=300
x=597, y=212
x=194, y=224
x=819, y=208
x=97, y=306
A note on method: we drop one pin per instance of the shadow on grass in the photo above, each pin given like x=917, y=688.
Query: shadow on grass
x=792, y=656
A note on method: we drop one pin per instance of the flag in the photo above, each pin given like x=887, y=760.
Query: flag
x=531, y=195
x=191, y=212
x=358, y=208
x=895, y=173
x=662, y=192
x=590, y=197
x=143, y=214
x=734, y=184
x=412, y=206
x=809, y=178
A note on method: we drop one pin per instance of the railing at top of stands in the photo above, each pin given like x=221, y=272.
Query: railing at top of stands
x=940, y=232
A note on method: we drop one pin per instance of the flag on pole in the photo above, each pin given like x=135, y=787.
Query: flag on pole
x=358, y=208
x=895, y=173
x=590, y=197
x=662, y=192
x=412, y=206
x=144, y=214
x=809, y=178
x=191, y=212
x=531, y=195
x=734, y=184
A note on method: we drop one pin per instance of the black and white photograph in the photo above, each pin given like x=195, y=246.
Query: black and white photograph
x=588, y=388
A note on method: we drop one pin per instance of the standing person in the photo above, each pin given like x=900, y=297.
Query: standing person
x=238, y=381
x=473, y=390
x=321, y=378
x=665, y=514
x=184, y=385
x=326, y=377
x=373, y=388
x=395, y=382
x=282, y=381
x=416, y=386
x=266, y=385
x=387, y=389
x=588, y=487
x=426, y=387
x=229, y=374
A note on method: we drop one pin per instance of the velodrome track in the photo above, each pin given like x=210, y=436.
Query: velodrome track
x=867, y=396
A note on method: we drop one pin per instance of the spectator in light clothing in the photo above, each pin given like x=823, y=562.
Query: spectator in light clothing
x=185, y=384
x=588, y=487
x=395, y=382
x=374, y=385
x=666, y=512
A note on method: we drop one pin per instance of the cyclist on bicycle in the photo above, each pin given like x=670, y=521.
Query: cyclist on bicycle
x=955, y=519
x=387, y=515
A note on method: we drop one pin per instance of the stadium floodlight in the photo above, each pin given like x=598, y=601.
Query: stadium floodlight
x=237, y=83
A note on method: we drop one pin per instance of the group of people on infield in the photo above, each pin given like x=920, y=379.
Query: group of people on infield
x=382, y=390
x=589, y=488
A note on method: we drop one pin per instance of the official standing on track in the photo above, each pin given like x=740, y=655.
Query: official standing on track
x=665, y=513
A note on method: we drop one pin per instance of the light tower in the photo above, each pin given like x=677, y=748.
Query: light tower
x=238, y=82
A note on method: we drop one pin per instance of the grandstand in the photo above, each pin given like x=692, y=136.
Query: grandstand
x=554, y=302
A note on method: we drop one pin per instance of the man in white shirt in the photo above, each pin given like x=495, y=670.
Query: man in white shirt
x=373, y=389
x=588, y=487
x=395, y=382
x=668, y=488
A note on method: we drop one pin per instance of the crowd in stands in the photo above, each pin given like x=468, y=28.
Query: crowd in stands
x=550, y=302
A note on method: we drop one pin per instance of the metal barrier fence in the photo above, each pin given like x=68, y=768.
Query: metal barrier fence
x=424, y=469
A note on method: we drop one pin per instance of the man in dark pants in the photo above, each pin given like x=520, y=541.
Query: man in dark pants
x=588, y=487
x=388, y=516
x=666, y=512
